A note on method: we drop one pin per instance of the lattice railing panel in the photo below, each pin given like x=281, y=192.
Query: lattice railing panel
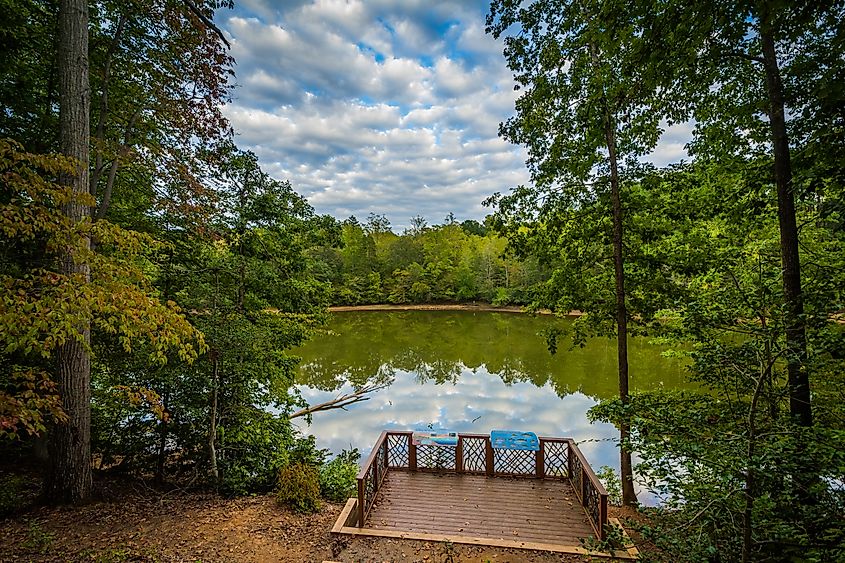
x=374, y=472
x=514, y=462
x=475, y=455
x=435, y=457
x=577, y=476
x=381, y=462
x=555, y=459
x=370, y=488
x=398, y=450
x=592, y=504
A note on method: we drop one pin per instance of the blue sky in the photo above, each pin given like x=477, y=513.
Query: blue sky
x=389, y=107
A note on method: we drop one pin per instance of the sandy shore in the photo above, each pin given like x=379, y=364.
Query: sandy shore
x=481, y=307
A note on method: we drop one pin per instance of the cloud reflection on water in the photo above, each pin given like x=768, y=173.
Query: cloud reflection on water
x=478, y=402
x=469, y=372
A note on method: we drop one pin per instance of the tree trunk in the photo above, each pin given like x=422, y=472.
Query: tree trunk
x=796, y=340
x=212, y=422
x=162, y=441
x=750, y=481
x=629, y=497
x=626, y=472
x=68, y=478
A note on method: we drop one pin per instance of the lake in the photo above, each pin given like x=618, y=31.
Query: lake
x=469, y=371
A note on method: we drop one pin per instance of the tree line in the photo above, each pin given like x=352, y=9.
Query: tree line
x=450, y=262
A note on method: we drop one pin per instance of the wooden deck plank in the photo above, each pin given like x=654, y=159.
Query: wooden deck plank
x=466, y=518
x=529, y=510
x=494, y=542
x=427, y=515
x=467, y=521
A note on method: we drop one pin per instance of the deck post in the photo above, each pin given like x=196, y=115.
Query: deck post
x=602, y=517
x=459, y=455
x=540, y=460
x=488, y=457
x=569, y=453
x=360, y=503
x=376, y=475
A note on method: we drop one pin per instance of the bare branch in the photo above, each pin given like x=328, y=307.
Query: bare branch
x=207, y=21
x=124, y=149
x=99, y=134
x=340, y=402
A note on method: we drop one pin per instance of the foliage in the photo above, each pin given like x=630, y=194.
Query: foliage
x=449, y=262
x=12, y=494
x=250, y=302
x=338, y=476
x=159, y=78
x=38, y=540
x=41, y=308
x=585, y=115
x=247, y=289
x=28, y=401
x=299, y=487
x=729, y=462
x=610, y=479
x=199, y=280
x=704, y=267
x=695, y=455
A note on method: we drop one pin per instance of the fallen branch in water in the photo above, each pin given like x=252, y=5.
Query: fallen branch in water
x=340, y=402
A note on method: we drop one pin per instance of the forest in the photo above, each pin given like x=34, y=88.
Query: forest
x=155, y=278
x=451, y=262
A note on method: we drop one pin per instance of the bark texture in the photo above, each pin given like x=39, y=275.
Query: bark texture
x=626, y=471
x=796, y=339
x=212, y=416
x=68, y=477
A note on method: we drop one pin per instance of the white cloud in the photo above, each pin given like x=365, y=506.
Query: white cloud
x=362, y=104
x=672, y=145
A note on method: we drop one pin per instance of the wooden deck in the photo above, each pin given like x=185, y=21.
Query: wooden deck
x=472, y=492
x=473, y=505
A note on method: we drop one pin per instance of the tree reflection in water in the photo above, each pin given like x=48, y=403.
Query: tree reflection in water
x=469, y=372
x=365, y=348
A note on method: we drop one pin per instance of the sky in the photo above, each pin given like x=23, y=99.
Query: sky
x=380, y=106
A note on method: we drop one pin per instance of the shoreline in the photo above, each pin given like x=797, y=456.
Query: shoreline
x=476, y=307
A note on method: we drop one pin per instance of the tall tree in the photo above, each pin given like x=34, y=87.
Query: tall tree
x=160, y=74
x=712, y=231
x=583, y=113
x=69, y=475
x=759, y=78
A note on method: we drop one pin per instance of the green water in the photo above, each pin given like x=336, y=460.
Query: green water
x=469, y=372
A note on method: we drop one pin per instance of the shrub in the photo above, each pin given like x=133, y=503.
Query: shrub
x=337, y=477
x=14, y=493
x=612, y=483
x=299, y=487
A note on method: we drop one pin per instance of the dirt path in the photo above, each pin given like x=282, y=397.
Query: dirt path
x=192, y=528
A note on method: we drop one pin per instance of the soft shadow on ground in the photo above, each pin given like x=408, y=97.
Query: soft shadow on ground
x=143, y=525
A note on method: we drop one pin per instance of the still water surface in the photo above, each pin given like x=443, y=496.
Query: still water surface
x=469, y=372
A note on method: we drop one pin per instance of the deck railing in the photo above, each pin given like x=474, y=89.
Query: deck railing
x=371, y=477
x=556, y=458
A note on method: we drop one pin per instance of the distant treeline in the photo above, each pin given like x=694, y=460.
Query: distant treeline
x=455, y=261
